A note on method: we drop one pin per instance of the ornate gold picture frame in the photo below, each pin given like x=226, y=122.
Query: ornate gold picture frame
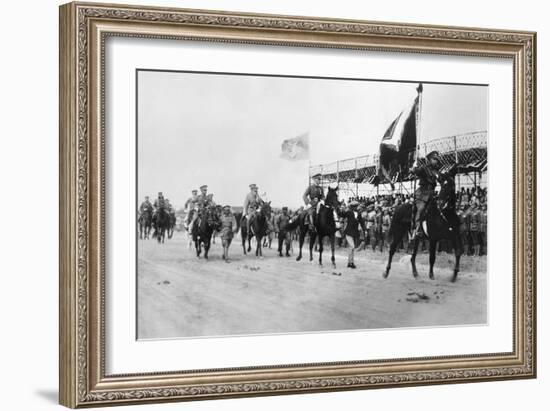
x=84, y=28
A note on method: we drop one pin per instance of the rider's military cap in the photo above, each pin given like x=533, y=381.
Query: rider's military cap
x=285, y=208
x=193, y=191
x=204, y=187
x=353, y=203
x=434, y=154
x=253, y=185
x=160, y=193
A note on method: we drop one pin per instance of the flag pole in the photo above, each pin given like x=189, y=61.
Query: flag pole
x=418, y=119
x=419, y=140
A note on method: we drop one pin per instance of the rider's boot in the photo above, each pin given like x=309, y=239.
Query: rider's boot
x=311, y=222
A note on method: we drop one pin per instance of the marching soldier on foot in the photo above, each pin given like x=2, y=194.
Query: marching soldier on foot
x=281, y=222
x=228, y=229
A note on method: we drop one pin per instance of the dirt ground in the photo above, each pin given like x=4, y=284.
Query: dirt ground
x=180, y=295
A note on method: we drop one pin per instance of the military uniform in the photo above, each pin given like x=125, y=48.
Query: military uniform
x=160, y=203
x=428, y=176
x=483, y=232
x=475, y=225
x=145, y=206
x=190, y=207
x=251, y=203
x=203, y=200
x=228, y=227
x=313, y=197
x=281, y=223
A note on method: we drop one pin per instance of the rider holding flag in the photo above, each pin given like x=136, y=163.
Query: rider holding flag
x=428, y=175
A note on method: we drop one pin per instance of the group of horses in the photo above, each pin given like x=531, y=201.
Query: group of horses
x=208, y=222
x=440, y=223
x=161, y=223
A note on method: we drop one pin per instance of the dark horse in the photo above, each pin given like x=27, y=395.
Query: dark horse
x=202, y=231
x=441, y=223
x=325, y=226
x=145, y=221
x=259, y=227
x=161, y=222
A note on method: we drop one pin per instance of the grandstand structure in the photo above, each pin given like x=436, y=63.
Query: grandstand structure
x=358, y=176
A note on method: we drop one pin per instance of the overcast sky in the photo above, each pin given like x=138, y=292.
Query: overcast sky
x=226, y=130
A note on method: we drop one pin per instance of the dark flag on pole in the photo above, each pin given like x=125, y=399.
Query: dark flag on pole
x=398, y=145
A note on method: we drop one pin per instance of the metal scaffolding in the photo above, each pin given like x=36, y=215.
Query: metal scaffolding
x=358, y=176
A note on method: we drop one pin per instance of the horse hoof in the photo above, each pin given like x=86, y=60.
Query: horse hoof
x=432, y=277
x=298, y=258
x=415, y=275
x=385, y=274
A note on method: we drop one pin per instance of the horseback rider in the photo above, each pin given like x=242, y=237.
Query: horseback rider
x=428, y=176
x=169, y=208
x=159, y=204
x=190, y=205
x=313, y=198
x=203, y=201
x=252, y=202
x=146, y=206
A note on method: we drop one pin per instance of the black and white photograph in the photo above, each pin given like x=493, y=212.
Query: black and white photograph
x=273, y=204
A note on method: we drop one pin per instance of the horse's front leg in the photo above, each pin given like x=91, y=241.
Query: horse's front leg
x=312, y=237
x=320, y=238
x=243, y=238
x=206, y=248
x=457, y=245
x=332, y=259
x=198, y=247
x=301, y=239
x=413, y=256
x=433, y=249
x=393, y=247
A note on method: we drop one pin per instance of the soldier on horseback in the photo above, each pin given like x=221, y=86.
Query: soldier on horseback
x=146, y=206
x=252, y=202
x=190, y=206
x=159, y=204
x=428, y=176
x=203, y=201
x=313, y=198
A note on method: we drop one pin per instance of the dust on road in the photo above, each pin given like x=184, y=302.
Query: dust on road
x=180, y=295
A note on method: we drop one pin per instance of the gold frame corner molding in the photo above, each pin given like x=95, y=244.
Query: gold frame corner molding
x=84, y=27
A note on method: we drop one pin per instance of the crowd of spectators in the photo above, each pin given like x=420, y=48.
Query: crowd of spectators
x=377, y=211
